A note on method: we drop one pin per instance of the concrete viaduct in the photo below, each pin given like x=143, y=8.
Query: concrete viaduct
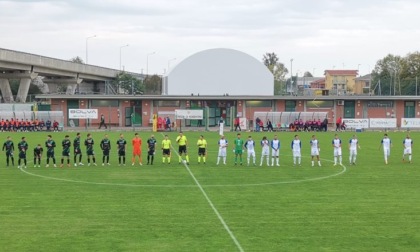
x=25, y=67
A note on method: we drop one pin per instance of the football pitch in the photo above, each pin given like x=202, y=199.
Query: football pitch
x=369, y=206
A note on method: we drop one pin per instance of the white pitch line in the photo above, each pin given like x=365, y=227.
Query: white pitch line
x=186, y=186
x=238, y=245
x=215, y=210
x=98, y=183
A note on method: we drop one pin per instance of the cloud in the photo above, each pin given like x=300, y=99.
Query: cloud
x=321, y=32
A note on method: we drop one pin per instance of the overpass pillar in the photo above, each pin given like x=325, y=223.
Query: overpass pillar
x=6, y=92
x=25, y=83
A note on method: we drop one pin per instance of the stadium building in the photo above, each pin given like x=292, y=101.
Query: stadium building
x=223, y=82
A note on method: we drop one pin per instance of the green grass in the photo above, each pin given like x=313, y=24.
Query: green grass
x=367, y=207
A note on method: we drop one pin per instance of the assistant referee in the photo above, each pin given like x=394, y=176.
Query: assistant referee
x=202, y=145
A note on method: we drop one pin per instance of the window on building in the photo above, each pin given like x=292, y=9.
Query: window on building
x=409, y=109
x=319, y=104
x=259, y=104
x=104, y=103
x=169, y=103
x=290, y=106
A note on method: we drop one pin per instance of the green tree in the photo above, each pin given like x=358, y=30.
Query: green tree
x=386, y=75
x=278, y=70
x=307, y=74
x=77, y=59
x=270, y=59
x=153, y=85
x=125, y=83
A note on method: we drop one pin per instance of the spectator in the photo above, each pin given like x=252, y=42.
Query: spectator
x=237, y=124
x=325, y=124
x=41, y=125
x=306, y=126
x=310, y=126
x=168, y=123
x=48, y=124
x=102, y=123
x=319, y=124
x=160, y=123
x=296, y=124
x=292, y=127
x=338, y=124
x=343, y=126
x=314, y=125
x=261, y=125
x=269, y=125
x=55, y=126
x=257, y=124
x=300, y=124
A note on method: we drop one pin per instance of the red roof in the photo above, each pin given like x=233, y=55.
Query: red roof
x=318, y=82
x=342, y=72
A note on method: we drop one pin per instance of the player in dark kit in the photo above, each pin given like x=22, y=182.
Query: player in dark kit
x=23, y=147
x=151, y=146
x=77, y=150
x=121, y=143
x=38, y=154
x=89, y=149
x=50, y=144
x=106, y=147
x=66, y=143
x=9, y=148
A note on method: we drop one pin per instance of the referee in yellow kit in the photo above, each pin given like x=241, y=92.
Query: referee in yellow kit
x=202, y=146
x=182, y=147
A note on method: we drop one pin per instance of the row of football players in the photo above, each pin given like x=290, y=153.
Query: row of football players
x=239, y=147
x=66, y=143
x=296, y=145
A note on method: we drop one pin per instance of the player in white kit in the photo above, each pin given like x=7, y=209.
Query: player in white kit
x=315, y=150
x=336, y=144
x=296, y=147
x=250, y=149
x=275, y=149
x=223, y=143
x=265, y=144
x=353, y=146
x=407, y=143
x=386, y=144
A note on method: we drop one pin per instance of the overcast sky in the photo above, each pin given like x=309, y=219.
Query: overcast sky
x=318, y=35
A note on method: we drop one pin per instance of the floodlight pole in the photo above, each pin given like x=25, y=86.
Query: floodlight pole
x=121, y=47
x=291, y=73
x=94, y=36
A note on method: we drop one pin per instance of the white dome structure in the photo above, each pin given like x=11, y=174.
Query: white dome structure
x=218, y=72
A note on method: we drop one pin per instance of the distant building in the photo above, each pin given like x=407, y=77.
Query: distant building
x=318, y=84
x=363, y=84
x=340, y=82
x=306, y=81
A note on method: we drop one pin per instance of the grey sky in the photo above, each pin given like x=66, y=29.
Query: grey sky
x=316, y=34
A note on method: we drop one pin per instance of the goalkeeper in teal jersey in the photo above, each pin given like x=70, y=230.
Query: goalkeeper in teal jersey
x=238, y=145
